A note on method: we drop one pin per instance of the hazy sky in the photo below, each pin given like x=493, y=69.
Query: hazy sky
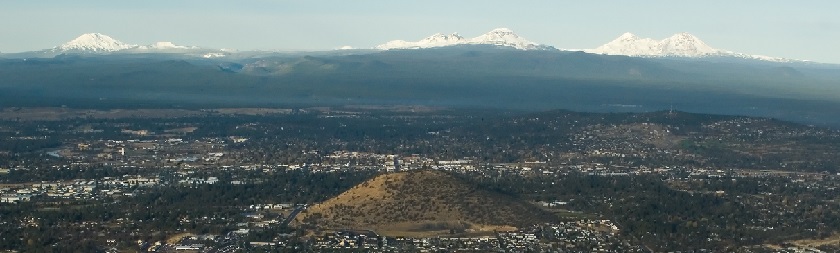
x=782, y=28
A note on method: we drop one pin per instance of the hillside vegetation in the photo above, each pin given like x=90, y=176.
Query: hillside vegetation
x=422, y=203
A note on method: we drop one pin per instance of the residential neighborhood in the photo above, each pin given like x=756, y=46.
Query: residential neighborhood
x=234, y=183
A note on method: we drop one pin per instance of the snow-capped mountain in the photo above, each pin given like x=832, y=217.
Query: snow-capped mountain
x=164, y=45
x=685, y=44
x=499, y=37
x=436, y=40
x=94, y=42
x=681, y=44
x=678, y=45
x=629, y=44
x=506, y=37
x=100, y=43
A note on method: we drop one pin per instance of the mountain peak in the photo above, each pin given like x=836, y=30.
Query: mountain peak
x=507, y=38
x=628, y=36
x=686, y=44
x=499, y=37
x=501, y=30
x=442, y=39
x=501, y=33
x=435, y=40
x=629, y=44
x=684, y=36
x=93, y=42
x=680, y=44
x=92, y=36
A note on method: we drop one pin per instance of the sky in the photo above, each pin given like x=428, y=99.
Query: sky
x=807, y=30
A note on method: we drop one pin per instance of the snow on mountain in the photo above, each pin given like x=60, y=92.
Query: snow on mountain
x=436, y=40
x=93, y=42
x=442, y=39
x=164, y=45
x=681, y=44
x=629, y=44
x=506, y=37
x=678, y=45
x=685, y=44
x=213, y=55
x=100, y=43
x=500, y=37
x=763, y=57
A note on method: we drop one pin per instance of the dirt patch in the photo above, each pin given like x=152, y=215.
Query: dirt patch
x=813, y=243
x=423, y=203
x=174, y=239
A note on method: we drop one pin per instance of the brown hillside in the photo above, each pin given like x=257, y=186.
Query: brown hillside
x=422, y=203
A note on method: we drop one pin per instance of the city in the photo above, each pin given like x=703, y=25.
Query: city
x=227, y=181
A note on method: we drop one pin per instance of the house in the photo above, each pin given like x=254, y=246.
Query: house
x=189, y=247
x=15, y=198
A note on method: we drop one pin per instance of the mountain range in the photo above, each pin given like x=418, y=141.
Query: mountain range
x=503, y=37
x=682, y=45
x=498, y=69
x=101, y=43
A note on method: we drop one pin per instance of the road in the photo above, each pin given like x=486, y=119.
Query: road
x=294, y=214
